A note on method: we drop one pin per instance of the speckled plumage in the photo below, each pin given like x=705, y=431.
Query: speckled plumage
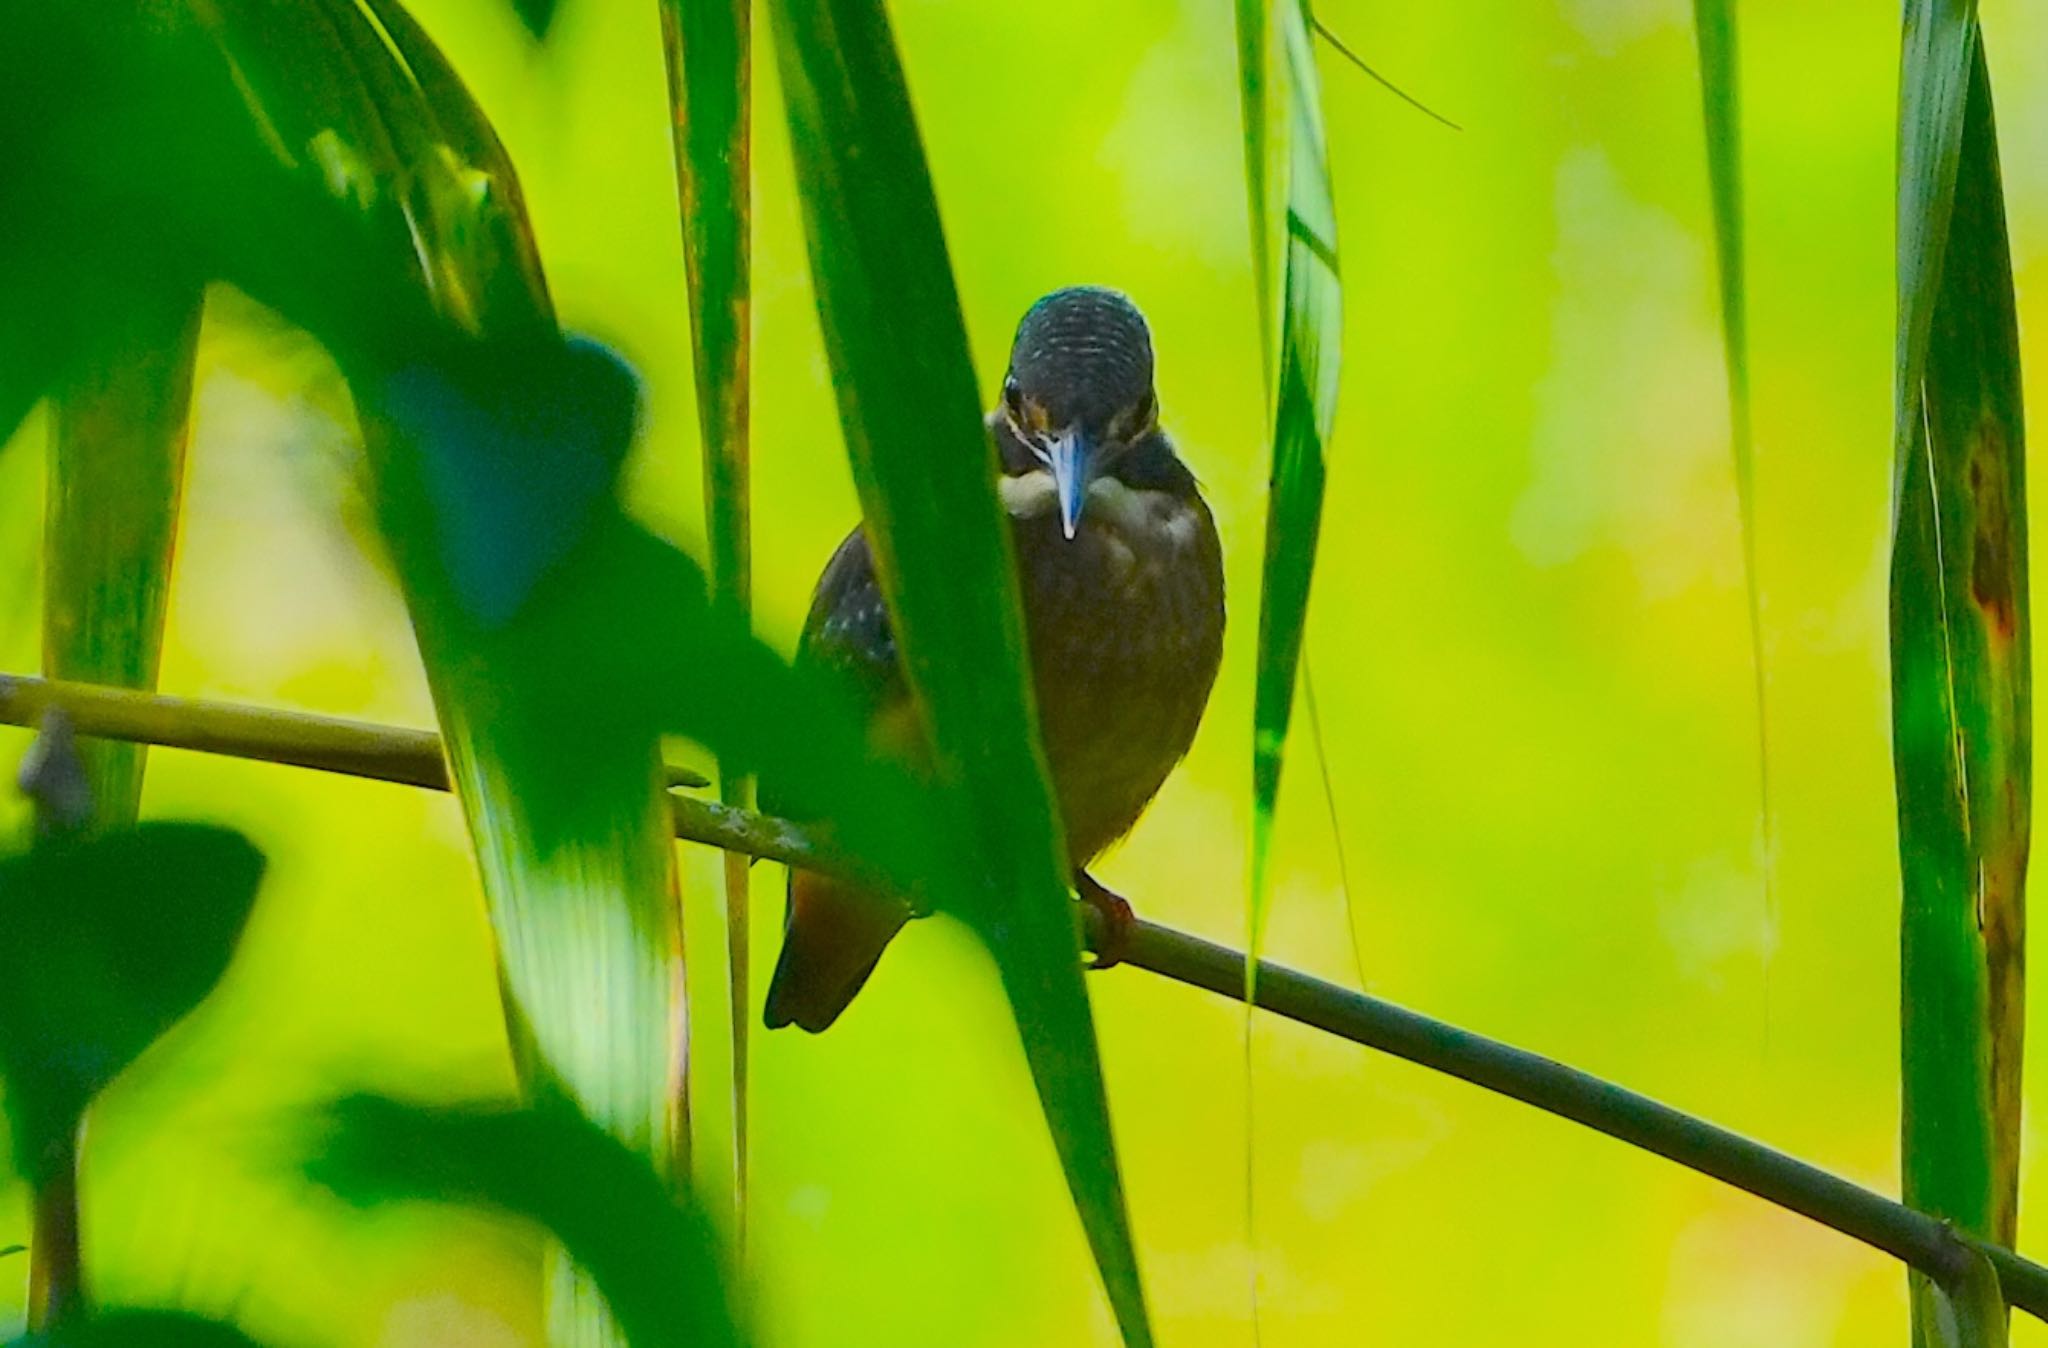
x=1124, y=622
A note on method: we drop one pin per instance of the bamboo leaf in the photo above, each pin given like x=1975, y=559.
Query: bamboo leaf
x=117, y=445
x=1311, y=333
x=924, y=466
x=1721, y=103
x=709, y=56
x=1257, y=90
x=1961, y=681
x=655, y=1259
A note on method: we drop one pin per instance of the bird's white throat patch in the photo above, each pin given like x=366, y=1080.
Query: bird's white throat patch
x=1133, y=511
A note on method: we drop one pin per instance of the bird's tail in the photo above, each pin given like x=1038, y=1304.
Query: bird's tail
x=831, y=941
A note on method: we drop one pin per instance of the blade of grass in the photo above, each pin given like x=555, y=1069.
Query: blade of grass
x=1721, y=106
x=922, y=460
x=708, y=48
x=1310, y=336
x=117, y=443
x=1961, y=681
x=1257, y=97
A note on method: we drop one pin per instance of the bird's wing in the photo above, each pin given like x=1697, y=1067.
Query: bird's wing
x=847, y=636
x=847, y=632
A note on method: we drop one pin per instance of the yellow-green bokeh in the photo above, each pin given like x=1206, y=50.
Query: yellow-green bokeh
x=1528, y=641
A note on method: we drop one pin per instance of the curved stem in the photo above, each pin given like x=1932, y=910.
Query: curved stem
x=413, y=757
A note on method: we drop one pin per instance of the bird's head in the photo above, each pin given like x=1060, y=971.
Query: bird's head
x=1079, y=392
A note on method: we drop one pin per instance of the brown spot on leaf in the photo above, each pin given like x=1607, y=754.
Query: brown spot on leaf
x=1992, y=559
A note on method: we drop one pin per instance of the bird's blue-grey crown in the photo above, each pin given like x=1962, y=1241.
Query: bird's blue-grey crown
x=1082, y=358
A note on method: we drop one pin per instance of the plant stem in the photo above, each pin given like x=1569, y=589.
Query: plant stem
x=56, y=1268
x=412, y=757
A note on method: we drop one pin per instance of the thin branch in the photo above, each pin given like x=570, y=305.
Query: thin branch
x=412, y=757
x=328, y=744
x=1324, y=31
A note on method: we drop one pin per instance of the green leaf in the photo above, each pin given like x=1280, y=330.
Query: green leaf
x=139, y=1329
x=117, y=444
x=1721, y=104
x=708, y=47
x=1960, y=637
x=923, y=463
x=110, y=940
x=1257, y=90
x=493, y=463
x=1311, y=334
x=654, y=1260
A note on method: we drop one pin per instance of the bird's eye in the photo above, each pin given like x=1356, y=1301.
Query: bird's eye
x=1143, y=415
x=1013, y=400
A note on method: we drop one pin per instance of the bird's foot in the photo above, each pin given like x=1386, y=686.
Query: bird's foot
x=1118, y=920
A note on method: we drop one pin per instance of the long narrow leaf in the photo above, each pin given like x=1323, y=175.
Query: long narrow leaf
x=1961, y=683
x=1721, y=105
x=1305, y=410
x=708, y=45
x=925, y=469
x=580, y=885
x=118, y=431
x=1256, y=94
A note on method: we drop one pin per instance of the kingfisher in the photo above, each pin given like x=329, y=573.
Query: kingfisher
x=1121, y=574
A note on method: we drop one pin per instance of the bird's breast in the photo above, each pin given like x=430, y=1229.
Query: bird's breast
x=1125, y=621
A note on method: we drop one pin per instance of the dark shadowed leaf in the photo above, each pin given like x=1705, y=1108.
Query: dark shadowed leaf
x=654, y=1260
x=117, y=445
x=140, y=1329
x=1311, y=331
x=922, y=460
x=1961, y=682
x=328, y=163
x=111, y=939
x=708, y=45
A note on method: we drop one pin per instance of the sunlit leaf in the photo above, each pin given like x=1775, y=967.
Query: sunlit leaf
x=1961, y=682
x=1311, y=332
x=922, y=460
x=654, y=1260
x=708, y=47
x=111, y=939
x=1721, y=104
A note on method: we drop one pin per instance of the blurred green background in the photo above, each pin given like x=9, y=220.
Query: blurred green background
x=1528, y=642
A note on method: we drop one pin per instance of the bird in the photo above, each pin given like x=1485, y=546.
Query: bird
x=1120, y=570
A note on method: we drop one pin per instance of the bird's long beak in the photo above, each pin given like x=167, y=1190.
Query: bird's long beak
x=1073, y=465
